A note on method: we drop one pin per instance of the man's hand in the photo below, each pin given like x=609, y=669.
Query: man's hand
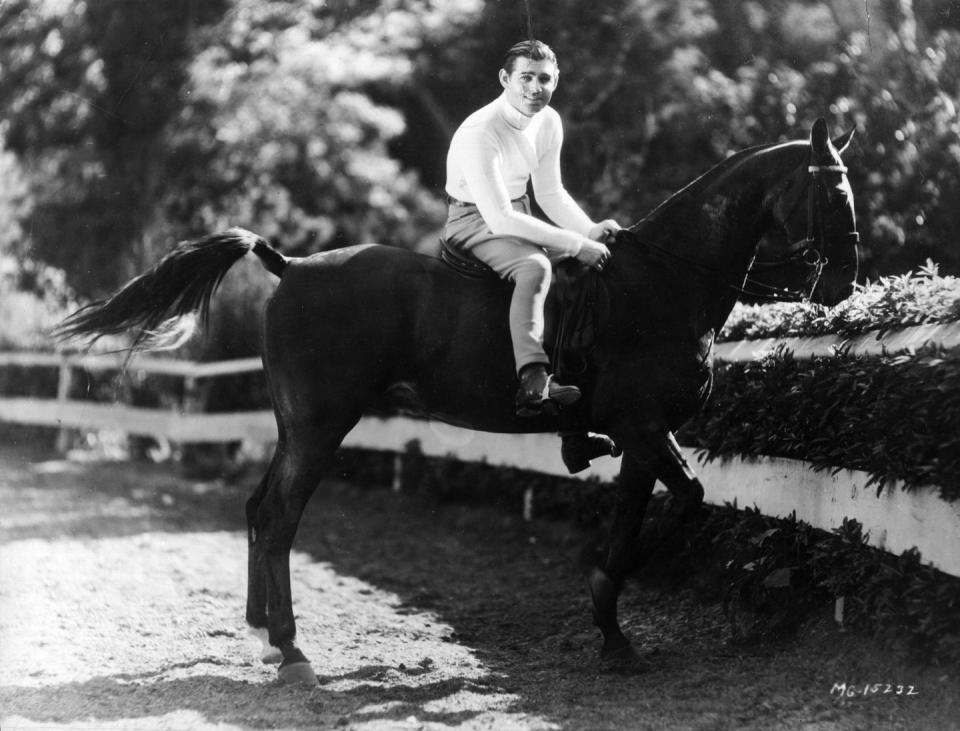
x=603, y=230
x=594, y=254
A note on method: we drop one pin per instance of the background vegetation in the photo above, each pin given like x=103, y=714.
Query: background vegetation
x=130, y=125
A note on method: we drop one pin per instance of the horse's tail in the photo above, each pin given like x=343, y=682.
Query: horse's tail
x=162, y=304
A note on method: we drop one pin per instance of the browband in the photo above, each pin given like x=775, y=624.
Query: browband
x=826, y=169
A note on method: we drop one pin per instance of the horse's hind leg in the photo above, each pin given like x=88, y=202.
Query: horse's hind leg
x=256, y=571
x=303, y=455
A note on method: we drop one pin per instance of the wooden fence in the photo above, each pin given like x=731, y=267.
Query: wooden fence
x=896, y=520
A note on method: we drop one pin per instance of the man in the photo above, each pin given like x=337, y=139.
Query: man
x=495, y=152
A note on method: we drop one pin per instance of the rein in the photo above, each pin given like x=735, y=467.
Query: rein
x=807, y=250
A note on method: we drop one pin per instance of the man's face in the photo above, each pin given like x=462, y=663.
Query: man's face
x=531, y=84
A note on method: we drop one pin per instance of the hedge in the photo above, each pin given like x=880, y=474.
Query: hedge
x=892, y=302
x=896, y=418
x=772, y=574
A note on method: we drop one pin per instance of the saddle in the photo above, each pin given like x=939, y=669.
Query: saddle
x=582, y=307
x=464, y=263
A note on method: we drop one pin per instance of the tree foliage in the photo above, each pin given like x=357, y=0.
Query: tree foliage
x=655, y=91
x=325, y=122
x=291, y=144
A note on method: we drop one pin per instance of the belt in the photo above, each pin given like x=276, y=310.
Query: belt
x=451, y=201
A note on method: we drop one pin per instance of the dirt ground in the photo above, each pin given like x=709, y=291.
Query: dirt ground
x=122, y=595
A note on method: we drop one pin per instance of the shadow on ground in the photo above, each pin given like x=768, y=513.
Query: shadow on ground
x=509, y=591
x=215, y=700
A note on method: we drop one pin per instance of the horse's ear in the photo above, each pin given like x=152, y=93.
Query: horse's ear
x=819, y=137
x=843, y=141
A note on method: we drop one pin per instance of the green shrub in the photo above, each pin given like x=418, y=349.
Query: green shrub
x=895, y=418
x=892, y=302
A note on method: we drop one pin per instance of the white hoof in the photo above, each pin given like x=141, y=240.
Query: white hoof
x=298, y=673
x=269, y=655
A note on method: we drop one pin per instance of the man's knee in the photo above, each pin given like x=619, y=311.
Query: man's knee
x=535, y=268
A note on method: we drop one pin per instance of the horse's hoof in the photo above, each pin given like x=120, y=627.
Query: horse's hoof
x=269, y=655
x=297, y=673
x=623, y=660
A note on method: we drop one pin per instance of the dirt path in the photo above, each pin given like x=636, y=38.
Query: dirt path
x=121, y=607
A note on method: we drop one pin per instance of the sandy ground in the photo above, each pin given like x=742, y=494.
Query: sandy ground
x=121, y=607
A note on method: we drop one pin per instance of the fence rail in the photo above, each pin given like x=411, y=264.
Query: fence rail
x=946, y=335
x=896, y=520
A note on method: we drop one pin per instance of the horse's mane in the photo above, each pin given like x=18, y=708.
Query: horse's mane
x=694, y=189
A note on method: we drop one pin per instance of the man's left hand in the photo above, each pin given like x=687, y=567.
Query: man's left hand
x=604, y=230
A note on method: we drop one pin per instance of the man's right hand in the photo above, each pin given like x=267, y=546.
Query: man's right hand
x=594, y=254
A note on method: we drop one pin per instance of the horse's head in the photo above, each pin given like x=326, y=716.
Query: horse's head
x=814, y=210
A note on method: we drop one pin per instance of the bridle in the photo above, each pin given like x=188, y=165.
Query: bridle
x=807, y=251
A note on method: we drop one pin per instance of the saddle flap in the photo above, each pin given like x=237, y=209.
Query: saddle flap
x=583, y=305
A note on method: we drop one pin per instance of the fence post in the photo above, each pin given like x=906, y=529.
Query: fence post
x=64, y=381
x=528, y=504
x=192, y=402
x=192, y=455
x=397, y=472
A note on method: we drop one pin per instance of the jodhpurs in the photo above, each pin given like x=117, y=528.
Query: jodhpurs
x=520, y=261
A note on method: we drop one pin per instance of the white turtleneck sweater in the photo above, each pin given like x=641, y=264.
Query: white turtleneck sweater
x=492, y=156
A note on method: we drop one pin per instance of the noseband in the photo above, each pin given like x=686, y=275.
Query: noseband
x=807, y=251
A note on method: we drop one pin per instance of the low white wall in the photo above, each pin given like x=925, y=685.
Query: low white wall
x=896, y=520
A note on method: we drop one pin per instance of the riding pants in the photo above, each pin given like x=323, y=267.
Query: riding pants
x=520, y=261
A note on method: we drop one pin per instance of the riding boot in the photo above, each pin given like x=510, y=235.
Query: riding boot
x=540, y=394
x=577, y=448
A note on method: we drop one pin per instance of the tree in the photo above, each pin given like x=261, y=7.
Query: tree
x=325, y=123
x=92, y=87
x=286, y=138
x=141, y=123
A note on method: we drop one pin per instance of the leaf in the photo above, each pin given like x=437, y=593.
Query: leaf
x=778, y=579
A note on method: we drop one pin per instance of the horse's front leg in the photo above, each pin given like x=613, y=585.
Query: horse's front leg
x=656, y=456
x=637, y=478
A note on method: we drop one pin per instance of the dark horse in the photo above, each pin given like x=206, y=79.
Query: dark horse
x=347, y=328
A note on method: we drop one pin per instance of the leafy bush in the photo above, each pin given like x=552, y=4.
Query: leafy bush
x=895, y=418
x=892, y=302
x=771, y=574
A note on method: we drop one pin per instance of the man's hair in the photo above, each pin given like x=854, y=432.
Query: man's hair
x=534, y=50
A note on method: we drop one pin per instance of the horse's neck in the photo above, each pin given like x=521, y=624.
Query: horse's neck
x=716, y=223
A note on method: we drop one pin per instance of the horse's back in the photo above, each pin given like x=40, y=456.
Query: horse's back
x=364, y=318
x=373, y=283
x=337, y=296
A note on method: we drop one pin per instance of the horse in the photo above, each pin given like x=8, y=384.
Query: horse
x=351, y=328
